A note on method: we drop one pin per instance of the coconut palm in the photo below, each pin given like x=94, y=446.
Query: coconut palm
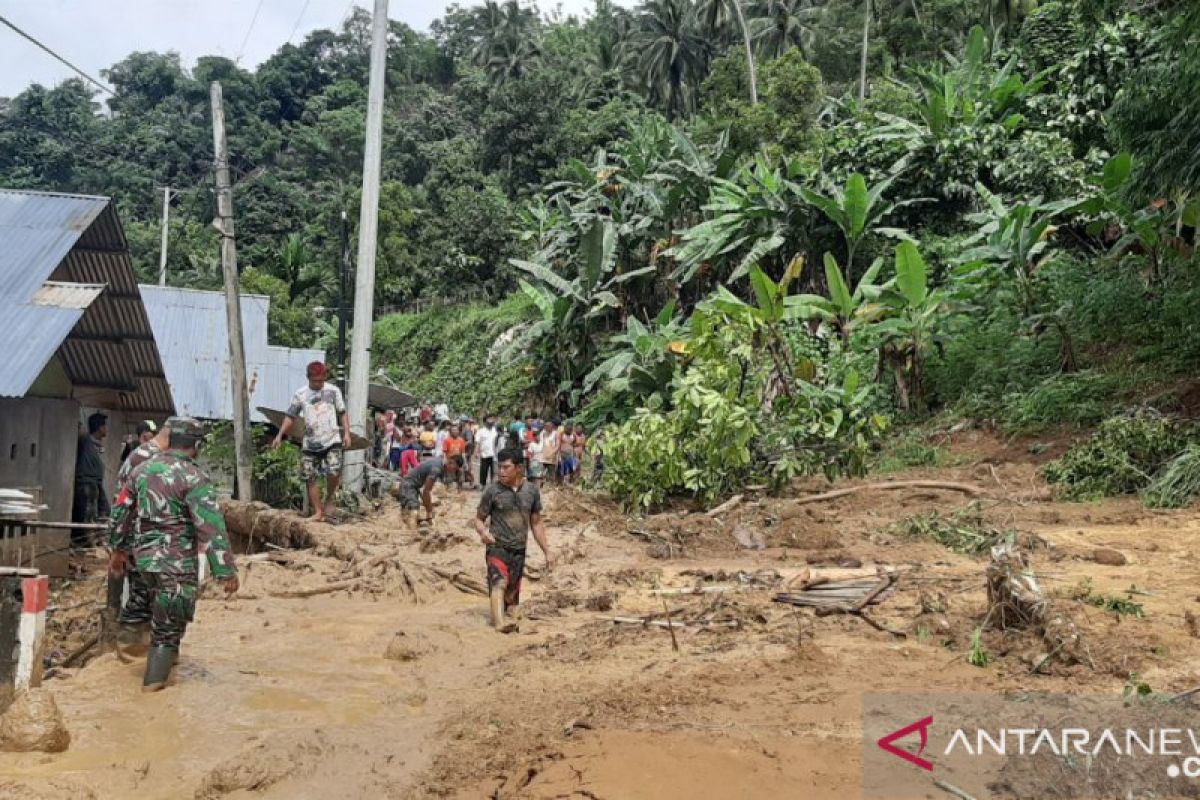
x=674, y=54
x=507, y=40
x=717, y=16
x=780, y=25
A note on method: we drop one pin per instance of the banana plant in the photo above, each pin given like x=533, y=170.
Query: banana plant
x=770, y=310
x=845, y=310
x=1011, y=243
x=913, y=327
x=748, y=218
x=856, y=210
x=572, y=309
x=643, y=359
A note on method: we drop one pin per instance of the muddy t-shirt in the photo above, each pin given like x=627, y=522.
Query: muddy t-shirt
x=321, y=409
x=509, y=511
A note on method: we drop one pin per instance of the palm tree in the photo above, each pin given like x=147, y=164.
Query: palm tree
x=507, y=42
x=674, y=54
x=715, y=16
x=780, y=25
x=866, y=40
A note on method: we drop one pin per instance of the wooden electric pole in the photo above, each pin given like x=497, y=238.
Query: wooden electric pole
x=368, y=229
x=243, y=450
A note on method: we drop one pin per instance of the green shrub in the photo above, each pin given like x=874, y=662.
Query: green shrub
x=702, y=446
x=1121, y=457
x=1178, y=483
x=445, y=354
x=1075, y=398
x=907, y=450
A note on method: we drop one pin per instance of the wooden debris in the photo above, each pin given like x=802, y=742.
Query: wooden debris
x=658, y=623
x=949, y=486
x=670, y=627
x=843, y=597
x=327, y=589
x=728, y=505
x=461, y=581
x=952, y=789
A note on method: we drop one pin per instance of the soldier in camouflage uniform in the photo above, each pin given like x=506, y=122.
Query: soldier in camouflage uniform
x=171, y=519
x=135, y=614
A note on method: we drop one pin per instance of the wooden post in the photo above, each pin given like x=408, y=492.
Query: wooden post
x=243, y=450
x=368, y=229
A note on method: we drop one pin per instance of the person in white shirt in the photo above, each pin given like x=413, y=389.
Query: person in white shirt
x=485, y=439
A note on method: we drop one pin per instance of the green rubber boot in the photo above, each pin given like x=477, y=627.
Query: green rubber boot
x=133, y=639
x=158, y=668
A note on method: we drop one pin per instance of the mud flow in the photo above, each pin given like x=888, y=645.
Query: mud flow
x=653, y=662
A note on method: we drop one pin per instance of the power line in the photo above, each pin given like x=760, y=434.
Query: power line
x=246, y=38
x=57, y=56
x=296, y=27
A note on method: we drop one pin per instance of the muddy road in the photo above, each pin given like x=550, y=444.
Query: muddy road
x=396, y=687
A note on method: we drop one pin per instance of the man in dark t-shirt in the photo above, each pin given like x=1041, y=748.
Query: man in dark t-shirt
x=416, y=489
x=508, y=510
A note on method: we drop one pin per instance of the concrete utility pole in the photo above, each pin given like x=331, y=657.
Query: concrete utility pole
x=368, y=229
x=162, y=251
x=243, y=450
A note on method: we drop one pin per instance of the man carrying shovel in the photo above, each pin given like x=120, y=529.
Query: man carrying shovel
x=508, y=510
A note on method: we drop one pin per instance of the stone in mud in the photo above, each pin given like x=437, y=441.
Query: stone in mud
x=286, y=755
x=404, y=647
x=33, y=723
x=748, y=538
x=1109, y=557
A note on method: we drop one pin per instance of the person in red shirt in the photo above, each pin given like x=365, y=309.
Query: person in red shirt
x=410, y=455
x=455, y=451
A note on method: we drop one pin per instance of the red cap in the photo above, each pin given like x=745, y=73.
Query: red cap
x=317, y=370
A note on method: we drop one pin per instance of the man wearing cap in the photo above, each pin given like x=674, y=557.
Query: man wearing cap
x=171, y=520
x=323, y=408
x=135, y=615
x=91, y=501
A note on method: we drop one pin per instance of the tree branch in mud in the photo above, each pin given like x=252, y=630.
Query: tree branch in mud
x=949, y=486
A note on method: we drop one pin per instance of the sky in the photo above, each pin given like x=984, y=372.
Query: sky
x=95, y=34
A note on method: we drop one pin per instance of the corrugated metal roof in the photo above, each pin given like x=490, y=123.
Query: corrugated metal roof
x=192, y=334
x=66, y=295
x=56, y=250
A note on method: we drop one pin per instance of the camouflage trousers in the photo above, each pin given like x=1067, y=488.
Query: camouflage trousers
x=172, y=606
x=137, y=608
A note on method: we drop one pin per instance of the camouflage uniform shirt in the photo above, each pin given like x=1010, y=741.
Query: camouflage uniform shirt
x=121, y=510
x=177, y=518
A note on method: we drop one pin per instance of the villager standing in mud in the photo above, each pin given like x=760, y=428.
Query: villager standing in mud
x=135, y=615
x=508, y=510
x=171, y=520
x=323, y=408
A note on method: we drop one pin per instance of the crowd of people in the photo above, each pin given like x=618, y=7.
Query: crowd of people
x=555, y=450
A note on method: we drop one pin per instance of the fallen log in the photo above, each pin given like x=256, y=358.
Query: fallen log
x=728, y=505
x=949, y=486
x=258, y=521
x=326, y=589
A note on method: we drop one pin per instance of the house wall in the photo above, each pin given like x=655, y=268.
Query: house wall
x=38, y=441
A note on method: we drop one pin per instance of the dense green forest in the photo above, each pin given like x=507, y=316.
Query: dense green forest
x=746, y=237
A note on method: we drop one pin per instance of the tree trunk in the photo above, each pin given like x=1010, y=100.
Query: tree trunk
x=737, y=7
x=866, y=39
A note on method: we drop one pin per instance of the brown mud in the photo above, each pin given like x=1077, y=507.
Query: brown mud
x=396, y=687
